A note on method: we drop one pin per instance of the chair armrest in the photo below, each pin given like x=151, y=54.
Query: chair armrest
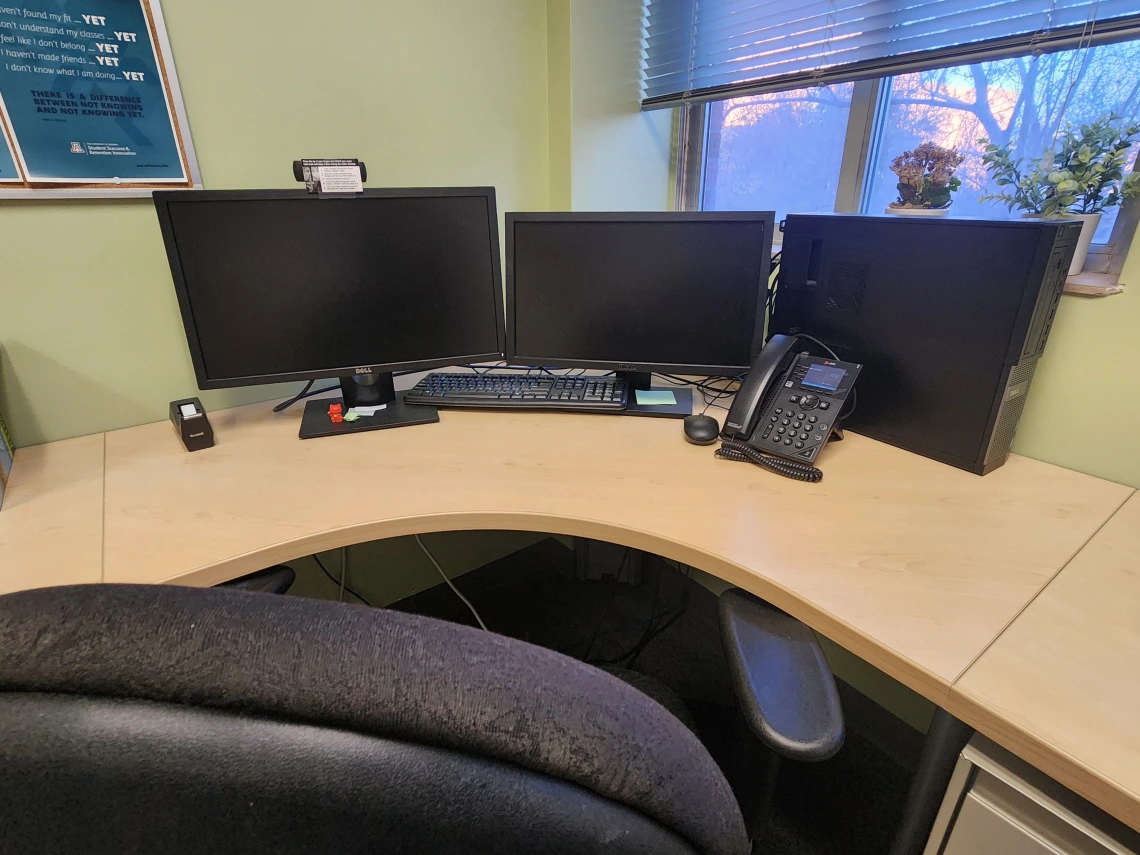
x=783, y=682
x=273, y=580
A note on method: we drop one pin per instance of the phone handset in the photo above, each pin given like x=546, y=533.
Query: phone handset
x=769, y=368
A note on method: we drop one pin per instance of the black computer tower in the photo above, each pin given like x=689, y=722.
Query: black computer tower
x=947, y=316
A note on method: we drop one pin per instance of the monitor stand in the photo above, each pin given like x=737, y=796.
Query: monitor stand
x=364, y=390
x=665, y=402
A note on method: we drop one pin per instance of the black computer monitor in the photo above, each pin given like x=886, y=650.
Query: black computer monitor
x=282, y=285
x=637, y=293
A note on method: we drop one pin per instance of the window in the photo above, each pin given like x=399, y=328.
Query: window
x=781, y=151
x=811, y=150
x=770, y=117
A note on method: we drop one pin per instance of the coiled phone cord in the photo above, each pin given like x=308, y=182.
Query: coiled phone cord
x=741, y=452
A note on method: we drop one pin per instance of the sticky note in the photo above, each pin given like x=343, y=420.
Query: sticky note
x=655, y=398
x=368, y=411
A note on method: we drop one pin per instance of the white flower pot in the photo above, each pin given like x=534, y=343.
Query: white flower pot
x=918, y=212
x=1089, y=225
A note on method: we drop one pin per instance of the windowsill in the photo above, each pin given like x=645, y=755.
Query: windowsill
x=1094, y=284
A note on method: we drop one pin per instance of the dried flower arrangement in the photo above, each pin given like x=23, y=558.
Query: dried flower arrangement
x=926, y=177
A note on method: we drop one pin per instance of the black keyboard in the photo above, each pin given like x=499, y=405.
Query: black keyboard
x=520, y=391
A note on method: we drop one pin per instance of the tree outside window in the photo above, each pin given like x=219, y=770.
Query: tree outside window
x=785, y=151
x=1025, y=100
x=777, y=152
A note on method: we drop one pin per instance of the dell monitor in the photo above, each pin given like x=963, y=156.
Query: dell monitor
x=278, y=285
x=637, y=293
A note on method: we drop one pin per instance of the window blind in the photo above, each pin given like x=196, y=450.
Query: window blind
x=705, y=50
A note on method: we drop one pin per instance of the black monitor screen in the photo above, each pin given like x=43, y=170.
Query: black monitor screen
x=656, y=293
x=290, y=285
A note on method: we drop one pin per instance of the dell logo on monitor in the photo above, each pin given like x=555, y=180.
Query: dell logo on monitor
x=626, y=367
x=363, y=370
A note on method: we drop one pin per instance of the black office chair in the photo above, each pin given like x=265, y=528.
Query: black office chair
x=178, y=720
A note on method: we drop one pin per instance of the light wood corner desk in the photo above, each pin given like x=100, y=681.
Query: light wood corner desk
x=964, y=588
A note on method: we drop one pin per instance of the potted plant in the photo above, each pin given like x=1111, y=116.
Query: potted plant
x=926, y=180
x=1080, y=180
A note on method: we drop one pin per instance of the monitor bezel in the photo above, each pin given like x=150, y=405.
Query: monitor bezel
x=766, y=218
x=163, y=199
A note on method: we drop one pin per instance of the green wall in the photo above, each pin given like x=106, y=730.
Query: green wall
x=1083, y=411
x=621, y=158
x=560, y=88
x=427, y=92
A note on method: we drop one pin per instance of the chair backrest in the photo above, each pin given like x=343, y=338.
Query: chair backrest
x=162, y=719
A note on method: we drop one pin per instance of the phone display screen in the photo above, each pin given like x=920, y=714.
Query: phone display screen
x=827, y=377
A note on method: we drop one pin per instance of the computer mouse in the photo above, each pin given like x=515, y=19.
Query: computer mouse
x=701, y=429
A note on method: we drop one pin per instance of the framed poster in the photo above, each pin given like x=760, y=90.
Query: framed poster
x=8, y=172
x=89, y=100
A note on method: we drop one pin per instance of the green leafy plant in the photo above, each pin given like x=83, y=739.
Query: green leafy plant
x=1085, y=175
x=926, y=176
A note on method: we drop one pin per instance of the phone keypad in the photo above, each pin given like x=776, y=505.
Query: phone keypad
x=798, y=422
x=798, y=426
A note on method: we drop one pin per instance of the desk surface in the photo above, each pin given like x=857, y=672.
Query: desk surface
x=1061, y=686
x=51, y=525
x=912, y=565
x=876, y=556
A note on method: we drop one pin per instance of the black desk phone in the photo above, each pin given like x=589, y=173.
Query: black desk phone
x=787, y=408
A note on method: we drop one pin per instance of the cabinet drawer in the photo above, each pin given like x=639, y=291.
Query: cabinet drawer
x=982, y=829
x=997, y=804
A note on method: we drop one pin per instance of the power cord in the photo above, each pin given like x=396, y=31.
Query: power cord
x=677, y=615
x=651, y=634
x=451, y=584
x=482, y=367
x=819, y=344
x=340, y=583
x=706, y=388
x=713, y=394
x=609, y=602
x=304, y=393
